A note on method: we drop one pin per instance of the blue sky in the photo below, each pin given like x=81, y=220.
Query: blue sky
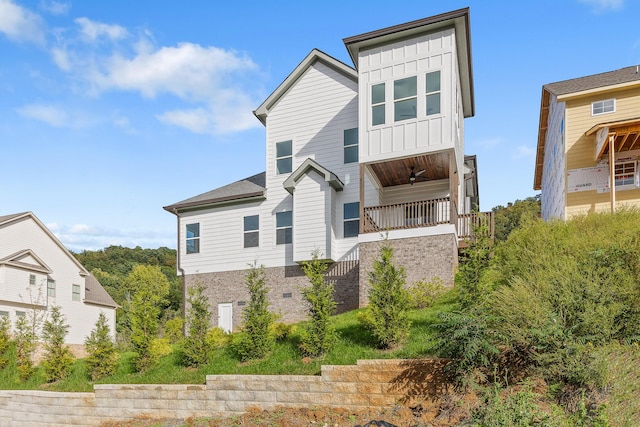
x=111, y=110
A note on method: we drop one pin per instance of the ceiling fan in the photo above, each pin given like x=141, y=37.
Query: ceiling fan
x=415, y=175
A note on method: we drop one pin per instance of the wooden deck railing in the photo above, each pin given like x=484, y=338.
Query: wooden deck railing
x=470, y=223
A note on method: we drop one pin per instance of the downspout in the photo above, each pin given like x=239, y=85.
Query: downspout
x=181, y=270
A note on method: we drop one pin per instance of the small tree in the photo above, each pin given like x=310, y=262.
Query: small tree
x=58, y=359
x=102, y=357
x=387, y=313
x=197, y=347
x=5, y=340
x=256, y=341
x=25, y=341
x=318, y=334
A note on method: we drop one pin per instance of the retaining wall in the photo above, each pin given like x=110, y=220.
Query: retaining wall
x=370, y=383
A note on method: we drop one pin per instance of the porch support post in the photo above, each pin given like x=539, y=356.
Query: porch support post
x=361, y=199
x=612, y=174
x=453, y=209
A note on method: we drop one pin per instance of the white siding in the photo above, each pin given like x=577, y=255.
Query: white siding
x=312, y=217
x=27, y=234
x=553, y=171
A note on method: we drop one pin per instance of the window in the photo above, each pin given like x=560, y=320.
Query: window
x=405, y=97
x=351, y=219
x=283, y=157
x=75, y=295
x=602, y=107
x=4, y=313
x=32, y=279
x=625, y=174
x=433, y=93
x=284, y=227
x=351, y=145
x=377, y=104
x=51, y=288
x=20, y=313
x=251, y=231
x=193, y=238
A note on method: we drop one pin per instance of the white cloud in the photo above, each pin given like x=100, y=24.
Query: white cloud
x=57, y=116
x=92, y=30
x=55, y=7
x=604, y=5
x=524, y=152
x=20, y=24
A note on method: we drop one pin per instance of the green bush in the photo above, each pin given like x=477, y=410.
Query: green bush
x=102, y=357
x=5, y=340
x=160, y=347
x=25, y=340
x=197, y=348
x=58, y=359
x=217, y=338
x=423, y=293
x=516, y=409
x=173, y=329
x=281, y=331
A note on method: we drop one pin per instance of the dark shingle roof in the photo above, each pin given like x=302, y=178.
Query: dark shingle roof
x=4, y=218
x=245, y=188
x=96, y=294
x=610, y=78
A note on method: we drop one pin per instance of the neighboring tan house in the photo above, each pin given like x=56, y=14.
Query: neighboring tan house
x=37, y=272
x=352, y=155
x=586, y=125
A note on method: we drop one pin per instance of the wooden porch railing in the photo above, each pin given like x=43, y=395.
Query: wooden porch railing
x=469, y=223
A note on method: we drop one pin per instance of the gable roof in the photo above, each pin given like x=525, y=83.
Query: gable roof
x=96, y=294
x=308, y=165
x=459, y=19
x=17, y=260
x=314, y=56
x=246, y=189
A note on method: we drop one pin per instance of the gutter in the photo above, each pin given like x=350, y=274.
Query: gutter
x=181, y=270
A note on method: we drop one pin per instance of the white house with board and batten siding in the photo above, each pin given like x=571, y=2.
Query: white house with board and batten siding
x=352, y=154
x=37, y=272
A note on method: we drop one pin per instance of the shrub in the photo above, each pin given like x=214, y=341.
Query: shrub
x=173, y=329
x=5, y=340
x=217, y=338
x=102, y=357
x=516, y=409
x=160, y=347
x=388, y=301
x=474, y=260
x=25, y=340
x=281, y=331
x=255, y=341
x=196, y=346
x=423, y=293
x=318, y=334
x=58, y=359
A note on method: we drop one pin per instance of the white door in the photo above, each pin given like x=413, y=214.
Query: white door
x=225, y=316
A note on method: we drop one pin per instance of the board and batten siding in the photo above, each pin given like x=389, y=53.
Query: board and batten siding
x=581, y=149
x=554, y=170
x=412, y=57
x=81, y=317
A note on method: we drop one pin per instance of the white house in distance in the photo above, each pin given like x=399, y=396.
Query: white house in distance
x=37, y=272
x=352, y=154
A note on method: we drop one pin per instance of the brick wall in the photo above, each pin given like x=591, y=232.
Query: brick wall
x=423, y=258
x=369, y=384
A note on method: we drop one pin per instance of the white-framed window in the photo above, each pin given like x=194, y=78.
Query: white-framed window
x=603, y=107
x=32, y=279
x=351, y=215
x=351, y=145
x=284, y=157
x=284, y=227
x=20, y=313
x=4, y=313
x=193, y=238
x=51, y=288
x=75, y=292
x=625, y=175
x=405, y=92
x=432, y=85
x=377, y=104
x=251, y=231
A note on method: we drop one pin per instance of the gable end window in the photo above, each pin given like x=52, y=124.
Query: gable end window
x=405, y=98
x=32, y=279
x=603, y=107
x=351, y=219
x=351, y=145
x=193, y=238
x=251, y=231
x=75, y=295
x=433, y=92
x=51, y=288
x=284, y=156
x=284, y=227
x=377, y=104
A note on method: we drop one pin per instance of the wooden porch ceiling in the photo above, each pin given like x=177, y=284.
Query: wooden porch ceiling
x=626, y=136
x=396, y=172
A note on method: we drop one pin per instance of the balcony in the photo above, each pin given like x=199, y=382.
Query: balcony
x=426, y=213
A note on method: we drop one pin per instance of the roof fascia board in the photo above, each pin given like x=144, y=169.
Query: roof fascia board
x=289, y=184
x=215, y=203
x=315, y=55
x=542, y=136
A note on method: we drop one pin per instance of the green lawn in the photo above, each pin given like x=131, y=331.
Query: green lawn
x=354, y=343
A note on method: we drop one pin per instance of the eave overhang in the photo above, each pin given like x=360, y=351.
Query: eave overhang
x=216, y=202
x=308, y=165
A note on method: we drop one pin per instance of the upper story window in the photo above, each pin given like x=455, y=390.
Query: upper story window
x=75, y=292
x=602, y=107
x=193, y=238
x=32, y=279
x=377, y=104
x=351, y=219
x=433, y=92
x=405, y=98
x=284, y=227
x=51, y=288
x=284, y=153
x=625, y=175
x=351, y=145
x=251, y=231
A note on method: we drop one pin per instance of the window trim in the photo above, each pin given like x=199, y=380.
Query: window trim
x=76, y=296
x=433, y=93
x=603, y=103
x=284, y=227
x=51, y=288
x=625, y=173
x=194, y=240
x=246, y=233
x=285, y=157
x=32, y=279
x=353, y=219
x=413, y=97
x=350, y=146
x=381, y=104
